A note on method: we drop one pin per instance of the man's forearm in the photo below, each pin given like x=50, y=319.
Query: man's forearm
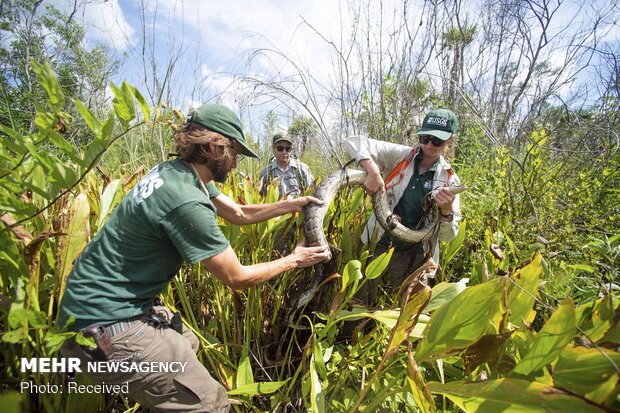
x=252, y=214
x=264, y=271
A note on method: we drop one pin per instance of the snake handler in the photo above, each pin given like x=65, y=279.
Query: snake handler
x=410, y=176
x=167, y=219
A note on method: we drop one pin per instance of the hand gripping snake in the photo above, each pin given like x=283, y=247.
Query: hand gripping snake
x=315, y=214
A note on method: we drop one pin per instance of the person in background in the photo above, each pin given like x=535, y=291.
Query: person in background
x=169, y=218
x=293, y=176
x=416, y=174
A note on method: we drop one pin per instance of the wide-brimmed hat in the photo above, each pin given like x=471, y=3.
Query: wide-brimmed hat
x=218, y=118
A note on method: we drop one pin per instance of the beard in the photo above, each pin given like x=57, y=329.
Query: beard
x=219, y=169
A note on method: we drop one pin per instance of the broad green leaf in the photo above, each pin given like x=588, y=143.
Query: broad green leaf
x=55, y=340
x=53, y=93
x=461, y=322
x=354, y=204
x=9, y=203
x=144, y=107
x=78, y=234
x=453, y=247
x=45, y=121
x=613, y=335
x=257, y=388
x=319, y=361
x=602, y=319
x=123, y=104
x=582, y=267
x=512, y=395
x=37, y=319
x=444, y=292
x=317, y=397
x=346, y=243
x=557, y=332
x=61, y=176
x=107, y=198
x=18, y=316
x=387, y=317
x=15, y=336
x=357, y=313
x=244, y=370
x=85, y=341
x=352, y=271
x=582, y=370
x=607, y=392
x=95, y=149
x=379, y=264
x=523, y=293
x=63, y=145
x=91, y=121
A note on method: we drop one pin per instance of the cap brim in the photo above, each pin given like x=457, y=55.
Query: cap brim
x=247, y=151
x=443, y=135
x=284, y=140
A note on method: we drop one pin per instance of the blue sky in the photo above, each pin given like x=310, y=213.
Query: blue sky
x=212, y=37
x=210, y=42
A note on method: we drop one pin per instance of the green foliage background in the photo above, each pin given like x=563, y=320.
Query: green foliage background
x=538, y=321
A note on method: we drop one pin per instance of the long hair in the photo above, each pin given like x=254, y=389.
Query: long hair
x=192, y=140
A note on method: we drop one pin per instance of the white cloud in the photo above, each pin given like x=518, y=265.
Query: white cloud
x=105, y=23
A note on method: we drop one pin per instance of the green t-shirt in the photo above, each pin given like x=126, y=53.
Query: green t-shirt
x=163, y=221
x=410, y=207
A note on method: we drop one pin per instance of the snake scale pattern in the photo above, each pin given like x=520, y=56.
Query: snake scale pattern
x=315, y=214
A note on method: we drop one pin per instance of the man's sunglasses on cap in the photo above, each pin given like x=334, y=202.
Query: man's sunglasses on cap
x=281, y=148
x=425, y=139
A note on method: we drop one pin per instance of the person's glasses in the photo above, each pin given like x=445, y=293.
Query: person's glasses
x=425, y=139
x=281, y=148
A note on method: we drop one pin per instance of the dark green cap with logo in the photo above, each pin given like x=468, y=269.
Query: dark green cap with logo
x=218, y=118
x=441, y=123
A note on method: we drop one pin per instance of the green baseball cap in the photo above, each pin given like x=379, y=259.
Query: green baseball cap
x=281, y=136
x=218, y=118
x=441, y=123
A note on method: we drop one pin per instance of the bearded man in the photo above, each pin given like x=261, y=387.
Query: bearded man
x=168, y=219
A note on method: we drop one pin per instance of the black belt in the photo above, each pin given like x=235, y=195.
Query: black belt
x=123, y=325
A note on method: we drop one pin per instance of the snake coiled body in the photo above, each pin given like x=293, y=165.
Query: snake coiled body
x=330, y=186
x=315, y=214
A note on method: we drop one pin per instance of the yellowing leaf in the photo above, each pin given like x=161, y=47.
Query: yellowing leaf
x=511, y=395
x=524, y=291
x=407, y=320
x=582, y=370
x=557, y=332
x=78, y=233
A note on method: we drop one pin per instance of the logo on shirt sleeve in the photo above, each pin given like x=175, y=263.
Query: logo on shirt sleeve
x=147, y=185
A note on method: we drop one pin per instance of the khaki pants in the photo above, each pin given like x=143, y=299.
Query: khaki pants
x=190, y=390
